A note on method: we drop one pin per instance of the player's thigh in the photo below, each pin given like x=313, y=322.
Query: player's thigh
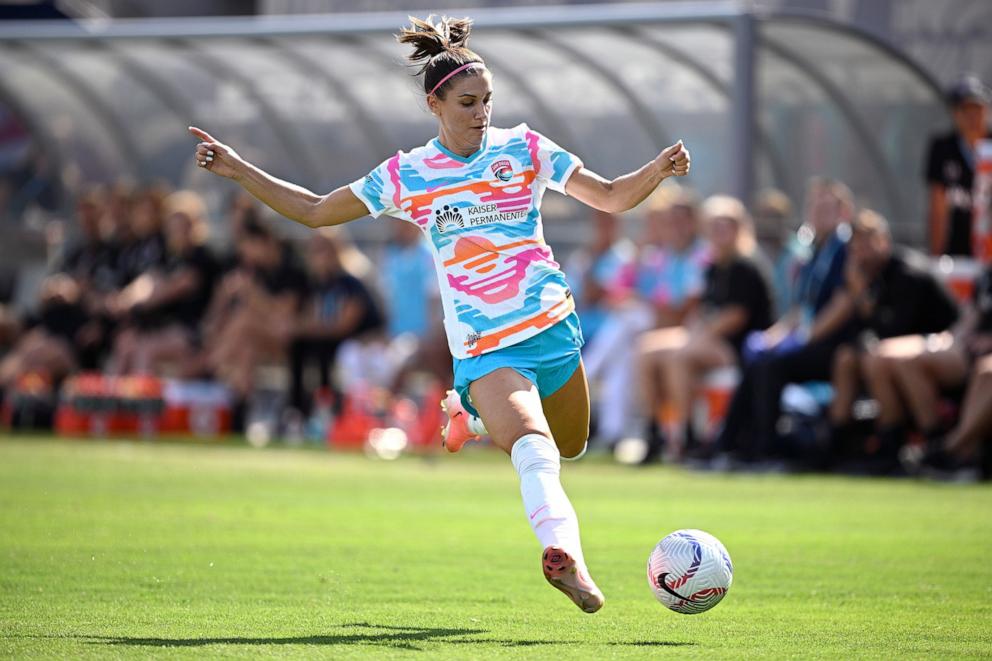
x=509, y=405
x=567, y=413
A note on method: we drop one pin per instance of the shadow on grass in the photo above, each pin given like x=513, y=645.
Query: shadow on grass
x=360, y=633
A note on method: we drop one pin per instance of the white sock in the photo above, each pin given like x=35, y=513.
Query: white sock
x=548, y=509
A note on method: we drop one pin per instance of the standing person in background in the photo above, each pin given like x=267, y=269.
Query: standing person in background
x=950, y=169
x=476, y=191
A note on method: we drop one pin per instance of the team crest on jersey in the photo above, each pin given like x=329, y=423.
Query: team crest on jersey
x=503, y=170
x=448, y=217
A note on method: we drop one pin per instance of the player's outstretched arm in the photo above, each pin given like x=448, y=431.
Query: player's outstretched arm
x=629, y=190
x=288, y=199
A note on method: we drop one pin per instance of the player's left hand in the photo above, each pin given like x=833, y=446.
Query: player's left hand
x=675, y=160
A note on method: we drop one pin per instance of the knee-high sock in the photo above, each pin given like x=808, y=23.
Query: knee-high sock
x=551, y=515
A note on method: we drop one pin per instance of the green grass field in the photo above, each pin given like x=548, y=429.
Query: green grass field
x=118, y=549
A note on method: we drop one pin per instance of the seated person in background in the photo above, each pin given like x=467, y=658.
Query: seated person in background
x=162, y=308
x=92, y=261
x=48, y=345
x=9, y=322
x=890, y=293
x=801, y=344
x=338, y=307
x=781, y=244
x=143, y=247
x=658, y=288
x=964, y=451
x=923, y=367
x=253, y=313
x=736, y=300
x=950, y=169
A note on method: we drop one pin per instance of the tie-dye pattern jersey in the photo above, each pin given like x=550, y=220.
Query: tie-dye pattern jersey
x=500, y=284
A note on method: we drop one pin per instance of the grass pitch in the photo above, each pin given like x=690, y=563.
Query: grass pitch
x=117, y=549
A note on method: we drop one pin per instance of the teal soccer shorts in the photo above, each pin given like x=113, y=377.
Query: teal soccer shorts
x=547, y=360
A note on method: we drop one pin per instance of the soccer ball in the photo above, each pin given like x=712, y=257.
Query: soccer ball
x=690, y=571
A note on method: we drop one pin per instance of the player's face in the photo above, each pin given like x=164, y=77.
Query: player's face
x=464, y=112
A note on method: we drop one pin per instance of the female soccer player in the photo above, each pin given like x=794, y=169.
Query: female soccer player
x=475, y=192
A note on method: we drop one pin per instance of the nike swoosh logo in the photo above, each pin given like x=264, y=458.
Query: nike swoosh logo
x=664, y=586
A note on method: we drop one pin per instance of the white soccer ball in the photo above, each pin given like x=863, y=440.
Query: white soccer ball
x=690, y=571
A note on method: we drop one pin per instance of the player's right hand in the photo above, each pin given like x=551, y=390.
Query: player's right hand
x=214, y=155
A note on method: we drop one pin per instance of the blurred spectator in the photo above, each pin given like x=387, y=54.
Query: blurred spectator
x=338, y=307
x=92, y=261
x=658, y=289
x=593, y=269
x=32, y=181
x=165, y=305
x=736, y=300
x=253, y=313
x=785, y=249
x=9, y=323
x=923, y=369
x=950, y=169
x=241, y=209
x=48, y=345
x=410, y=282
x=964, y=452
x=801, y=344
x=138, y=219
x=891, y=293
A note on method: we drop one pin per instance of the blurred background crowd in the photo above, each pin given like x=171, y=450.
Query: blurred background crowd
x=803, y=329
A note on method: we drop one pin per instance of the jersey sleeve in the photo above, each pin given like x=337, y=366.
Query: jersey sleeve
x=552, y=164
x=379, y=190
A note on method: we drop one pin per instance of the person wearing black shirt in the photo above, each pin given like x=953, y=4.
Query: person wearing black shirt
x=891, y=294
x=92, y=261
x=338, y=307
x=48, y=346
x=252, y=315
x=736, y=300
x=163, y=317
x=951, y=361
x=950, y=169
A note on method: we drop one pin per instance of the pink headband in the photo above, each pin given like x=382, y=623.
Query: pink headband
x=456, y=71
